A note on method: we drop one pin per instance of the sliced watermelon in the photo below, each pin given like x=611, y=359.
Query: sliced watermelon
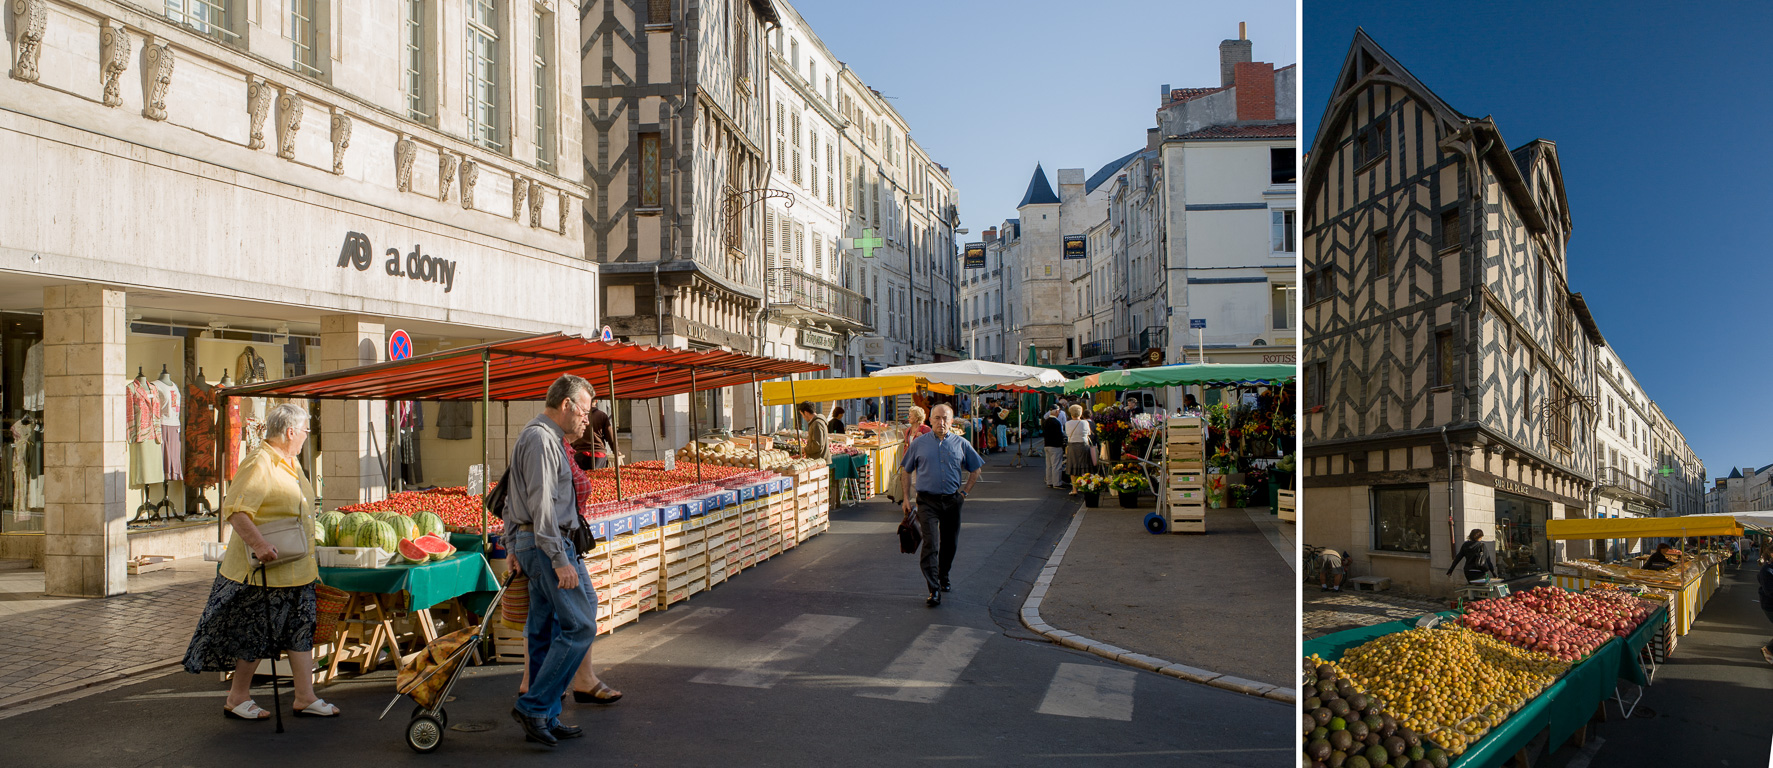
x=435, y=547
x=412, y=552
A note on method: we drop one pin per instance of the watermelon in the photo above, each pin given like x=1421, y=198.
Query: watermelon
x=412, y=552
x=430, y=524
x=403, y=526
x=326, y=528
x=379, y=535
x=435, y=547
x=350, y=527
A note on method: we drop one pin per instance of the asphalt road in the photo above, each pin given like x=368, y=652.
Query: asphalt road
x=823, y=656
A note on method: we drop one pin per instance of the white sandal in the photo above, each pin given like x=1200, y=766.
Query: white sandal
x=318, y=709
x=246, y=710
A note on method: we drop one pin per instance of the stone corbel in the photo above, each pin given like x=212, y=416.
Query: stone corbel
x=519, y=194
x=470, y=173
x=446, y=174
x=258, y=105
x=341, y=139
x=30, y=18
x=289, y=121
x=114, y=49
x=405, y=150
x=157, y=61
x=536, y=199
x=565, y=206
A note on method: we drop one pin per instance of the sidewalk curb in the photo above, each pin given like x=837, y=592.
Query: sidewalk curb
x=108, y=677
x=1032, y=620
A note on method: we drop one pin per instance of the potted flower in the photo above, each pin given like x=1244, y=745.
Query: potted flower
x=1090, y=488
x=1240, y=495
x=1129, y=485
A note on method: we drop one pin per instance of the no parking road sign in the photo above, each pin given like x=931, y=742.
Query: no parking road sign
x=399, y=345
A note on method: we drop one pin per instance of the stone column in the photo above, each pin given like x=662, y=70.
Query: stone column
x=85, y=461
x=353, y=453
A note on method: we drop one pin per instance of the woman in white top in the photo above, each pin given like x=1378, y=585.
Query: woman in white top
x=1079, y=458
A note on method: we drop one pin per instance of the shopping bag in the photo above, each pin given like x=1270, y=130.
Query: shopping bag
x=514, y=609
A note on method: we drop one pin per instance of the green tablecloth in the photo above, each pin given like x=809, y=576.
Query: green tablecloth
x=464, y=574
x=1635, y=642
x=848, y=467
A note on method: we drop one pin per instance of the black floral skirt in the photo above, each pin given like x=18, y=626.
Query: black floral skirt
x=243, y=621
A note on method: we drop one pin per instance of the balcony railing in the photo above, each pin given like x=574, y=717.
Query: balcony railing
x=794, y=288
x=1091, y=349
x=1617, y=480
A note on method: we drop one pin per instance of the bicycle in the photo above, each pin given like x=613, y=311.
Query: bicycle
x=1314, y=563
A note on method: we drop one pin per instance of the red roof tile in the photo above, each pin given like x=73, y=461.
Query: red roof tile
x=1267, y=131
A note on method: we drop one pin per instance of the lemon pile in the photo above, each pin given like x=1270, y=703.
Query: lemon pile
x=1451, y=685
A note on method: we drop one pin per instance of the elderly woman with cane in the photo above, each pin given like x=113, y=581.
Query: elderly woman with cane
x=262, y=601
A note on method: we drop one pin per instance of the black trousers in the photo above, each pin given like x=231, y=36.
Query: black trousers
x=938, y=519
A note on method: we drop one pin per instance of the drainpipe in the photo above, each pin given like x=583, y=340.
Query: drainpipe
x=1451, y=497
x=658, y=309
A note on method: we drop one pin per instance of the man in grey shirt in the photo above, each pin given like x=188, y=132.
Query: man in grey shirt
x=539, y=508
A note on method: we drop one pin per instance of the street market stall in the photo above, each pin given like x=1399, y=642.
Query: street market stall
x=664, y=532
x=1477, y=685
x=974, y=376
x=862, y=461
x=1690, y=583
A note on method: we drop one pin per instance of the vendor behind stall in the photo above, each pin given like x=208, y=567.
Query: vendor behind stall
x=817, y=433
x=1663, y=559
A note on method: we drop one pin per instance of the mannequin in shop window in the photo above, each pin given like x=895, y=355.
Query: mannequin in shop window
x=200, y=454
x=168, y=400
x=147, y=462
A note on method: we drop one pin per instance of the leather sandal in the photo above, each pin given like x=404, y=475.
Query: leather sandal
x=246, y=710
x=602, y=694
x=318, y=709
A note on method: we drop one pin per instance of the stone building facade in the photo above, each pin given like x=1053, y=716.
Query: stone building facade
x=300, y=179
x=1448, y=368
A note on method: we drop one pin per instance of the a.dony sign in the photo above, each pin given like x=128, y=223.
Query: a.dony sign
x=416, y=265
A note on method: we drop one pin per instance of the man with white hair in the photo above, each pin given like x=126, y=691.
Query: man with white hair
x=937, y=461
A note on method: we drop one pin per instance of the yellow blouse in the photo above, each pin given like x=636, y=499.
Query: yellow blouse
x=269, y=486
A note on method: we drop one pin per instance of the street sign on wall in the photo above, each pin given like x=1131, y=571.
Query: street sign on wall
x=1198, y=322
x=817, y=340
x=975, y=257
x=1077, y=247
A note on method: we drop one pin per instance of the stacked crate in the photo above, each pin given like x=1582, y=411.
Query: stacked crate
x=715, y=539
x=684, y=560
x=1185, y=466
x=812, y=502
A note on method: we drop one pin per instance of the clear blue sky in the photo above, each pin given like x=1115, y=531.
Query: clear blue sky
x=991, y=88
x=1657, y=111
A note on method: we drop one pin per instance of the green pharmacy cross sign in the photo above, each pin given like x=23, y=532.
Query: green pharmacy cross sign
x=866, y=243
x=1666, y=471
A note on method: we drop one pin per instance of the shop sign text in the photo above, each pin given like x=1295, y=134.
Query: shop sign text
x=416, y=265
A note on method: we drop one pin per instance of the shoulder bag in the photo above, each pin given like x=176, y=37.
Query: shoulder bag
x=288, y=536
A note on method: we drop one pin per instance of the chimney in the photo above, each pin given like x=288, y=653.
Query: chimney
x=1255, y=90
x=1152, y=139
x=991, y=235
x=1232, y=53
x=1163, y=95
x=1071, y=183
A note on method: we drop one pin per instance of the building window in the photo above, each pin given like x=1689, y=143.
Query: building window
x=1282, y=166
x=1317, y=385
x=304, y=36
x=658, y=12
x=1527, y=397
x=1371, y=144
x=812, y=139
x=1560, y=416
x=209, y=17
x=1284, y=309
x=1400, y=519
x=1320, y=284
x=781, y=135
x=1443, y=359
x=1382, y=254
x=794, y=141
x=544, y=147
x=649, y=170
x=1452, y=232
x=417, y=62
x=483, y=74
x=742, y=46
x=1542, y=286
x=1282, y=231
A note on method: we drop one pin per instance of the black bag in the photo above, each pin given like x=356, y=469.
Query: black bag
x=909, y=537
x=495, y=500
x=580, y=535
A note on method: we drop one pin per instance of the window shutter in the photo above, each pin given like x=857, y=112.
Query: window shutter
x=799, y=247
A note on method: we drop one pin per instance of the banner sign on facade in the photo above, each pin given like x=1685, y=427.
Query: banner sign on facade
x=817, y=340
x=975, y=258
x=1076, y=247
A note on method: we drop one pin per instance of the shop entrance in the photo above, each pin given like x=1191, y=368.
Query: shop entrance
x=1521, y=546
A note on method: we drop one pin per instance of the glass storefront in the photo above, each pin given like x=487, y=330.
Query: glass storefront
x=21, y=423
x=1400, y=519
x=1521, y=546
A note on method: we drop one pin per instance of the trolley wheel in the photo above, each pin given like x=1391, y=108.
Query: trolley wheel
x=442, y=715
x=1154, y=523
x=424, y=733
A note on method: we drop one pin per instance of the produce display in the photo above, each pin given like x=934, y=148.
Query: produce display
x=1525, y=623
x=1449, y=684
x=1673, y=578
x=1346, y=728
x=728, y=455
x=424, y=549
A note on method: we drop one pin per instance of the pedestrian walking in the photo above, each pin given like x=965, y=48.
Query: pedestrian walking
x=818, y=433
x=1003, y=428
x=1053, y=436
x=1080, y=452
x=256, y=611
x=587, y=687
x=1475, y=553
x=539, y=511
x=938, y=461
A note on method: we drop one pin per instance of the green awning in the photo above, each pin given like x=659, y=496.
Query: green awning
x=1206, y=374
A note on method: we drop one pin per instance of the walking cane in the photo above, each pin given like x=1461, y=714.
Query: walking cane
x=276, y=697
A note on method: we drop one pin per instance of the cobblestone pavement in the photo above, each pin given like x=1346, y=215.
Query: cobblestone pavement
x=53, y=644
x=1329, y=612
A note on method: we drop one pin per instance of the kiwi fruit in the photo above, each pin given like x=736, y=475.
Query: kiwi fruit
x=1414, y=753
x=1341, y=741
x=1322, y=715
x=1374, y=722
x=1336, y=760
x=1411, y=740
x=1338, y=707
x=1320, y=732
x=1358, y=730
x=1306, y=720
x=1326, y=671
x=1394, y=745
x=1358, y=701
x=1319, y=749
x=1313, y=703
x=1378, y=756
x=1373, y=739
x=1327, y=689
x=1438, y=758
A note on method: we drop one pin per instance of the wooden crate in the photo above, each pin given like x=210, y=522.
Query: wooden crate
x=1285, y=509
x=509, y=645
x=1187, y=496
x=1188, y=525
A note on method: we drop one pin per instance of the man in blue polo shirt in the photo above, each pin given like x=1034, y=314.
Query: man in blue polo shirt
x=938, y=460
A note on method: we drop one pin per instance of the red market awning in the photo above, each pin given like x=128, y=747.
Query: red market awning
x=523, y=368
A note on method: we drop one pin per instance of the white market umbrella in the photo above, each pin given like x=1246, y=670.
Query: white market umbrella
x=978, y=373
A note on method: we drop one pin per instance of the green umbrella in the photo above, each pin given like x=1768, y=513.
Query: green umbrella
x=1206, y=374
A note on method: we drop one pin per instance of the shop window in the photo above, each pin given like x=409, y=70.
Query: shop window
x=1521, y=546
x=1400, y=519
x=21, y=429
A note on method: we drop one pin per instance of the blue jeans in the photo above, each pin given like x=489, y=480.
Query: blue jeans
x=561, y=624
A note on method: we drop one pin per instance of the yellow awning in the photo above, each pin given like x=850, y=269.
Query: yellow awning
x=1642, y=527
x=829, y=390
